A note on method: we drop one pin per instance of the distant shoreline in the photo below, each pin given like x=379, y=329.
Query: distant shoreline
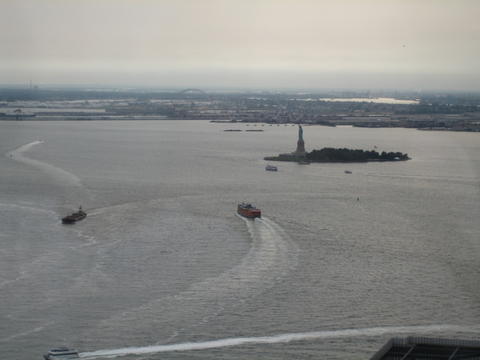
x=39, y=117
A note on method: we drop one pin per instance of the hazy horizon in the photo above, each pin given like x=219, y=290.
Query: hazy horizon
x=404, y=45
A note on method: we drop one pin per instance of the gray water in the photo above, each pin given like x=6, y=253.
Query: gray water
x=162, y=268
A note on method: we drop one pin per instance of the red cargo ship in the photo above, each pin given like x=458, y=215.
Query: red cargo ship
x=248, y=210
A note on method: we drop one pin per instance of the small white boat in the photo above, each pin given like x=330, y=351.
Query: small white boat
x=61, y=353
x=271, y=168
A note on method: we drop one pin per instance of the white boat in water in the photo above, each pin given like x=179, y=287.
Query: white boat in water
x=61, y=353
x=271, y=168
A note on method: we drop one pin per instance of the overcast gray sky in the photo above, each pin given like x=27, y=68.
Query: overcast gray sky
x=405, y=44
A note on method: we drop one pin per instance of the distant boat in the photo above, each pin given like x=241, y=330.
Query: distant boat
x=248, y=210
x=303, y=162
x=76, y=216
x=61, y=353
x=255, y=130
x=232, y=130
x=348, y=172
x=271, y=168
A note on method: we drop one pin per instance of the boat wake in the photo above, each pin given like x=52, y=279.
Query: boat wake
x=272, y=255
x=280, y=338
x=73, y=191
x=61, y=175
x=28, y=332
x=29, y=208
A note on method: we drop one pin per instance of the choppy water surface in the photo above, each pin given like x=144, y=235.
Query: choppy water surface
x=163, y=268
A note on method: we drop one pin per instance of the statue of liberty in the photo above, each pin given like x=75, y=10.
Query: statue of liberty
x=300, y=143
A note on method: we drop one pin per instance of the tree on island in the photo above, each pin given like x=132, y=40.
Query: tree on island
x=349, y=155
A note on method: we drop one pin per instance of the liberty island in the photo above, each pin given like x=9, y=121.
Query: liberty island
x=335, y=154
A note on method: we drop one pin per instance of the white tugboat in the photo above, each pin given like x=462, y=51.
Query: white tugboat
x=61, y=353
x=271, y=168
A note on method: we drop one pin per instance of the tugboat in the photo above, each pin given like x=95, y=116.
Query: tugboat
x=271, y=168
x=76, y=216
x=61, y=353
x=248, y=211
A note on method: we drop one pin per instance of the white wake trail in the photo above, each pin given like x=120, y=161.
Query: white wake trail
x=281, y=338
x=61, y=175
x=271, y=256
x=28, y=332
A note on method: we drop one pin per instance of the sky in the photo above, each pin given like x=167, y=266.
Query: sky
x=357, y=44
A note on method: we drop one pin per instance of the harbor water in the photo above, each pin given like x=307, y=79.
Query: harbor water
x=344, y=257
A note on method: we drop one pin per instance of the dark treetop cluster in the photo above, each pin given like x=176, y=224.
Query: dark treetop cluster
x=349, y=155
x=340, y=155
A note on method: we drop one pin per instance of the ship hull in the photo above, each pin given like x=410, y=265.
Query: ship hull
x=61, y=354
x=72, y=219
x=250, y=213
